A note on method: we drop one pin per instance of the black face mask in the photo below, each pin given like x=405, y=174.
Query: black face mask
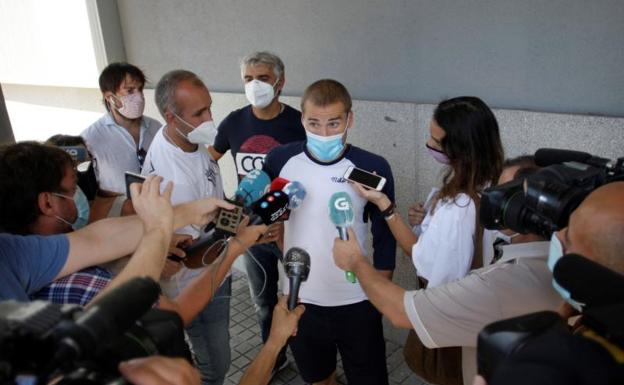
x=88, y=183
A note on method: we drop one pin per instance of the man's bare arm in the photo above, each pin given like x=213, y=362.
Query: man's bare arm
x=216, y=155
x=199, y=292
x=284, y=326
x=385, y=295
x=112, y=238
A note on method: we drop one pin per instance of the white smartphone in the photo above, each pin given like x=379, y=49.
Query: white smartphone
x=364, y=177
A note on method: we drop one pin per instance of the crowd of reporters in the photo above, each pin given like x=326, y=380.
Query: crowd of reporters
x=469, y=277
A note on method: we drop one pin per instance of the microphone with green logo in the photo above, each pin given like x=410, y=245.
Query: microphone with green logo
x=341, y=215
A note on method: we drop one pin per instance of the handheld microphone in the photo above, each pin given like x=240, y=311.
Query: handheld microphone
x=341, y=214
x=278, y=184
x=589, y=282
x=297, y=268
x=249, y=190
x=547, y=156
x=296, y=193
x=252, y=187
x=270, y=208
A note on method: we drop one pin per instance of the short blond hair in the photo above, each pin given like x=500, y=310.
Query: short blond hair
x=325, y=92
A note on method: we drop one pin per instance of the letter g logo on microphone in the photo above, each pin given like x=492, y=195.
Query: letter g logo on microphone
x=341, y=204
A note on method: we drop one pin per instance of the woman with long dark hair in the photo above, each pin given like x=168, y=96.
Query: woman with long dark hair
x=465, y=137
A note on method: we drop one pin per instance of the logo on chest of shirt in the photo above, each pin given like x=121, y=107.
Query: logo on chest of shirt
x=247, y=162
x=338, y=179
x=252, y=152
x=212, y=172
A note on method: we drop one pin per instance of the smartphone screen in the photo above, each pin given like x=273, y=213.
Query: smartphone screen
x=132, y=178
x=363, y=177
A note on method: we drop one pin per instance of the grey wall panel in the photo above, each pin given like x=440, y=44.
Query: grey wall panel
x=556, y=56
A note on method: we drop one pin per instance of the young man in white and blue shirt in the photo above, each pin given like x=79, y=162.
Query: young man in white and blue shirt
x=338, y=317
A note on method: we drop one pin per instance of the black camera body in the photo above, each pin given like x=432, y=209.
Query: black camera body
x=542, y=202
x=544, y=340
x=40, y=340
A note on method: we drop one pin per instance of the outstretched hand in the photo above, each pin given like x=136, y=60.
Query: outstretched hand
x=284, y=324
x=203, y=211
x=248, y=235
x=378, y=198
x=151, y=206
x=416, y=214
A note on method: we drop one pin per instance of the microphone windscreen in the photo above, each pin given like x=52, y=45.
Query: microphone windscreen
x=296, y=194
x=341, y=209
x=278, y=184
x=252, y=187
x=547, y=156
x=297, y=263
x=589, y=282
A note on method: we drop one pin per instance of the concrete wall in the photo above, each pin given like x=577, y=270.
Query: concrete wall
x=556, y=56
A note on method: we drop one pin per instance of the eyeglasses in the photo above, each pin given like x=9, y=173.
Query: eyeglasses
x=141, y=153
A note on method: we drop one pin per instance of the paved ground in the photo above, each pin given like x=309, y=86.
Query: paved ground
x=246, y=342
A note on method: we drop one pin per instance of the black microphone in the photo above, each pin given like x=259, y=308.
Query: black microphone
x=547, y=156
x=269, y=208
x=104, y=321
x=589, y=282
x=297, y=268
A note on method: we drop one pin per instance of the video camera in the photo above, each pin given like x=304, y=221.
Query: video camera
x=539, y=347
x=40, y=340
x=542, y=202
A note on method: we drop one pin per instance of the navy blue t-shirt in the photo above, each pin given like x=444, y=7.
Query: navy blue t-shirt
x=250, y=138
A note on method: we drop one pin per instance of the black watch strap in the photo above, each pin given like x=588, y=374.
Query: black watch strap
x=389, y=211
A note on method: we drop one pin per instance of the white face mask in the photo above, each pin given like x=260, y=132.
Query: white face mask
x=259, y=94
x=132, y=105
x=205, y=133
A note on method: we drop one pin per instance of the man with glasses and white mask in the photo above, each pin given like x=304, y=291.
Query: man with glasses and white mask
x=178, y=154
x=120, y=139
x=250, y=133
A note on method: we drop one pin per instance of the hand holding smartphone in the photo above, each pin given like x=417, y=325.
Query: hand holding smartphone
x=132, y=178
x=363, y=177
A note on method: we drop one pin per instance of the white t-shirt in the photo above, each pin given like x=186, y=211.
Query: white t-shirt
x=195, y=175
x=310, y=228
x=453, y=314
x=444, y=250
x=115, y=150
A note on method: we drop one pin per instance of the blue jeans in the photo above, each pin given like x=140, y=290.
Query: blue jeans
x=263, y=288
x=209, y=334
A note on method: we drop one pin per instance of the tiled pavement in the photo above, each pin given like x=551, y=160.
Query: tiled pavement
x=246, y=342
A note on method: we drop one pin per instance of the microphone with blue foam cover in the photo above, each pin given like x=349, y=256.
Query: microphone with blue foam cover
x=341, y=215
x=296, y=194
x=252, y=187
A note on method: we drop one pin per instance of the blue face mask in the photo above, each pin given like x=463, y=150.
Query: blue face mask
x=554, y=255
x=325, y=148
x=82, y=208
